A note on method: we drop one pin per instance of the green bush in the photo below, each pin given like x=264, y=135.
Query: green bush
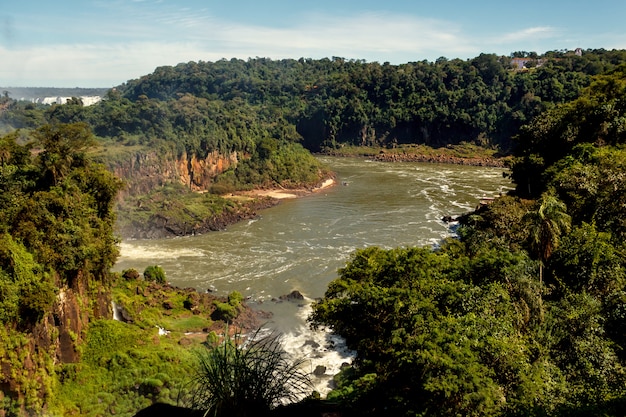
x=235, y=298
x=251, y=378
x=154, y=273
x=224, y=311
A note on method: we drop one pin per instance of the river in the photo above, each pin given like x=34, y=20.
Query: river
x=301, y=243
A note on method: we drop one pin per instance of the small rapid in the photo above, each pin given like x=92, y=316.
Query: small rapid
x=301, y=243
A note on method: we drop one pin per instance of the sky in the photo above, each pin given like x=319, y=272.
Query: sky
x=104, y=43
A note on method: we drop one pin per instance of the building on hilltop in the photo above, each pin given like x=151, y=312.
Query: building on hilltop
x=521, y=63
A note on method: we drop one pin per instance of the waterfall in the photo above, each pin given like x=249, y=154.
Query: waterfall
x=116, y=311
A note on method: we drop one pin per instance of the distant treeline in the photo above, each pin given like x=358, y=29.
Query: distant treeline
x=234, y=104
x=334, y=101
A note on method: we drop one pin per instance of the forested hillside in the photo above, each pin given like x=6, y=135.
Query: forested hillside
x=60, y=351
x=205, y=106
x=56, y=250
x=524, y=313
x=339, y=101
x=259, y=113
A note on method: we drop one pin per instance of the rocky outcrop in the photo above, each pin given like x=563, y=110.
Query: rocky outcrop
x=143, y=171
x=440, y=159
x=199, y=173
x=294, y=295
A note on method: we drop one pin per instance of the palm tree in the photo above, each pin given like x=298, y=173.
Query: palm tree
x=546, y=225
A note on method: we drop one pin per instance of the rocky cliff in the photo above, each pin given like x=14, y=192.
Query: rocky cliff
x=143, y=171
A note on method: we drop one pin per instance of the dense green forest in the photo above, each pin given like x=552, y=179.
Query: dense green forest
x=522, y=314
x=233, y=104
x=61, y=354
x=56, y=247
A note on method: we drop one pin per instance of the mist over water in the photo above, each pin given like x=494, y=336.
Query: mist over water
x=300, y=244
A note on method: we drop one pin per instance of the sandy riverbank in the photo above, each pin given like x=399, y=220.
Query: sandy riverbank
x=284, y=193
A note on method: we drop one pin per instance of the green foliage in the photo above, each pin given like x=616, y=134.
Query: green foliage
x=144, y=304
x=28, y=292
x=154, y=273
x=105, y=337
x=288, y=165
x=235, y=298
x=186, y=212
x=56, y=230
x=596, y=117
x=471, y=328
x=588, y=262
x=60, y=207
x=251, y=106
x=424, y=333
x=124, y=369
x=224, y=311
x=465, y=330
x=589, y=181
x=242, y=378
x=546, y=225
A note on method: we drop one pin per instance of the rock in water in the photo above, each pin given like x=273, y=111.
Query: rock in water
x=292, y=296
x=319, y=370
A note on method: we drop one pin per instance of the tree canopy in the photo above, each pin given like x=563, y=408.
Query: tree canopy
x=56, y=218
x=523, y=313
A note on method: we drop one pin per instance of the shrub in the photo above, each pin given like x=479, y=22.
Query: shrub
x=154, y=273
x=224, y=311
x=251, y=378
x=221, y=189
x=235, y=298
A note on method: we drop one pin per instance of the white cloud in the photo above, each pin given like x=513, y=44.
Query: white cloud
x=527, y=35
x=88, y=65
x=104, y=59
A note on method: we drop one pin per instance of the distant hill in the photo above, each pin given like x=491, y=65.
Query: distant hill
x=29, y=93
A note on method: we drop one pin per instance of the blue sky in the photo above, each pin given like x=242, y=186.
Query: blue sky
x=103, y=43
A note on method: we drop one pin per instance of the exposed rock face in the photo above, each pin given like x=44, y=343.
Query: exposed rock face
x=54, y=338
x=144, y=171
x=71, y=322
x=294, y=295
x=199, y=173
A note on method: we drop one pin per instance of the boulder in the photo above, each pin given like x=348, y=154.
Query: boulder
x=294, y=295
x=319, y=370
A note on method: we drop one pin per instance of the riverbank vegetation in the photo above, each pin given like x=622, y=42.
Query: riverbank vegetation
x=61, y=354
x=523, y=314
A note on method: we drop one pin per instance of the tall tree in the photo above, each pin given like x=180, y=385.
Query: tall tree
x=546, y=226
x=64, y=147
